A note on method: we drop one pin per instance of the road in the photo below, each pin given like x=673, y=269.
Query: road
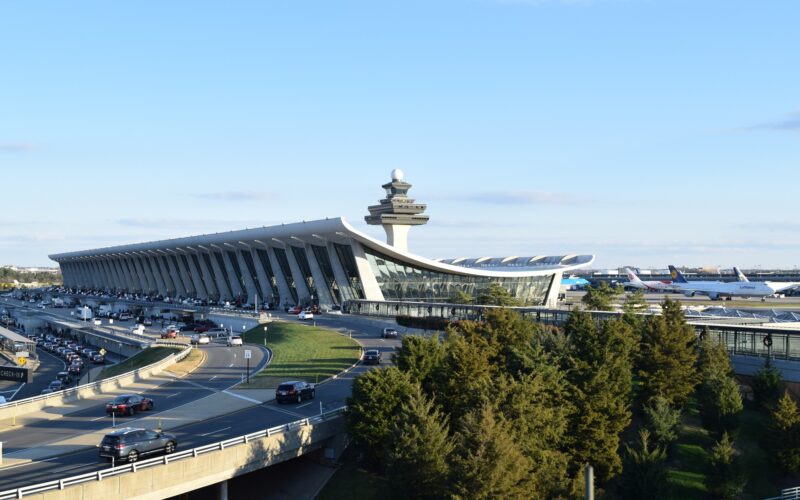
x=216, y=374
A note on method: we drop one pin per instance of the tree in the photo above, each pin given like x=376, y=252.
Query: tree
x=644, y=475
x=718, y=394
x=784, y=434
x=487, y=461
x=600, y=298
x=634, y=303
x=496, y=295
x=461, y=297
x=663, y=421
x=421, y=446
x=599, y=374
x=667, y=361
x=372, y=409
x=421, y=359
x=767, y=386
x=726, y=478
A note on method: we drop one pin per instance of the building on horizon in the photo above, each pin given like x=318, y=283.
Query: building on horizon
x=324, y=262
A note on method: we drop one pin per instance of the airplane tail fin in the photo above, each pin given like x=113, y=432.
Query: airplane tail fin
x=676, y=275
x=740, y=274
x=631, y=275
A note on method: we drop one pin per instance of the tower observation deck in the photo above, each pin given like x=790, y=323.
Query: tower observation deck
x=397, y=212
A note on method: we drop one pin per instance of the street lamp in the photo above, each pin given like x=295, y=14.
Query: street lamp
x=265, y=336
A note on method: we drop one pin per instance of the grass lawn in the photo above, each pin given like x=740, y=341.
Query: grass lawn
x=301, y=352
x=144, y=358
x=352, y=482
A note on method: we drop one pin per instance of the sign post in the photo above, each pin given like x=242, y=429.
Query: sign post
x=247, y=355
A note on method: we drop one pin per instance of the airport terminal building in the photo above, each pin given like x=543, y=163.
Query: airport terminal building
x=325, y=262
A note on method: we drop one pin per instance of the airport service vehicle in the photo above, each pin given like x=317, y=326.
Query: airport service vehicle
x=372, y=357
x=389, y=333
x=720, y=289
x=234, y=340
x=650, y=286
x=128, y=404
x=294, y=391
x=305, y=315
x=129, y=444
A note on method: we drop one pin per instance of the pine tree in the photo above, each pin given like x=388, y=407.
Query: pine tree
x=667, y=362
x=644, y=475
x=784, y=434
x=767, y=386
x=599, y=375
x=600, y=298
x=421, y=447
x=663, y=421
x=466, y=379
x=372, y=409
x=726, y=479
x=487, y=461
x=496, y=295
x=421, y=359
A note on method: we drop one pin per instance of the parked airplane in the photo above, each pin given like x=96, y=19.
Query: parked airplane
x=717, y=289
x=652, y=286
x=777, y=286
x=574, y=282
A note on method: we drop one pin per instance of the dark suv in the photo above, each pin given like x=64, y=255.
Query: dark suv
x=372, y=357
x=294, y=391
x=389, y=333
x=130, y=444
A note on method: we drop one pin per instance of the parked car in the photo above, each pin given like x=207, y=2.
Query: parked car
x=389, y=333
x=305, y=315
x=128, y=404
x=129, y=444
x=372, y=357
x=234, y=340
x=295, y=391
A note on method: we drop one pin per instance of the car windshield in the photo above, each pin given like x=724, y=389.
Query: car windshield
x=372, y=353
x=120, y=399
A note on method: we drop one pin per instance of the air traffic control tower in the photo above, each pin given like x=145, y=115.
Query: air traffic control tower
x=397, y=212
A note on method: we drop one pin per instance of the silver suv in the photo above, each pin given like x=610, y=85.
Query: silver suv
x=129, y=444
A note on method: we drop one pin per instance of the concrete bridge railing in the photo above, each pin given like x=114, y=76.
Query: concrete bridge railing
x=189, y=470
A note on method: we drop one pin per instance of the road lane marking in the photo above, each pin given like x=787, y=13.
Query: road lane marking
x=242, y=397
x=285, y=412
x=15, y=392
x=304, y=405
x=214, y=432
x=212, y=378
x=172, y=395
x=96, y=419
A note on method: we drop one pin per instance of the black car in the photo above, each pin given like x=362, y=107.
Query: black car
x=389, y=333
x=372, y=357
x=64, y=377
x=294, y=391
x=130, y=444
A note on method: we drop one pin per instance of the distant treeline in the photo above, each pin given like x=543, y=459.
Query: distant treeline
x=8, y=275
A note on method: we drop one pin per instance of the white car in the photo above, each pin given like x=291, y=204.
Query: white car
x=201, y=338
x=305, y=315
x=235, y=340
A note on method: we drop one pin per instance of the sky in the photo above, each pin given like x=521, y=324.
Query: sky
x=646, y=132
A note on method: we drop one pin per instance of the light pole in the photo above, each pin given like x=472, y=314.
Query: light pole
x=265, y=336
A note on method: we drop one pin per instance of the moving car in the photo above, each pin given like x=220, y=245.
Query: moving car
x=389, y=333
x=128, y=404
x=129, y=444
x=372, y=357
x=305, y=315
x=295, y=310
x=55, y=385
x=98, y=359
x=295, y=391
x=234, y=340
x=201, y=338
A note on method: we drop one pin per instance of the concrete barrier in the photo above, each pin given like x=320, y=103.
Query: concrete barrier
x=37, y=403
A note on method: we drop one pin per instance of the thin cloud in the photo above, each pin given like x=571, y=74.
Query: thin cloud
x=238, y=196
x=514, y=198
x=17, y=147
x=789, y=123
x=189, y=224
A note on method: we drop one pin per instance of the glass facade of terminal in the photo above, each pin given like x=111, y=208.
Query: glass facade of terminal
x=402, y=281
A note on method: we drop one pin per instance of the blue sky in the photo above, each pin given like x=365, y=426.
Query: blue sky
x=645, y=132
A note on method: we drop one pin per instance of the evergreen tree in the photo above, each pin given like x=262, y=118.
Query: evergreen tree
x=668, y=357
x=644, y=475
x=496, y=295
x=487, y=461
x=727, y=478
x=461, y=297
x=418, y=459
x=372, y=409
x=421, y=359
x=718, y=394
x=600, y=298
x=663, y=421
x=784, y=434
x=767, y=386
x=599, y=375
x=466, y=379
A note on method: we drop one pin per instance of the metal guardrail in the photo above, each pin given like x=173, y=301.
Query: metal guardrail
x=60, y=484
x=97, y=384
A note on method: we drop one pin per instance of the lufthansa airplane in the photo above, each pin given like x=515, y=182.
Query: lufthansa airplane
x=719, y=289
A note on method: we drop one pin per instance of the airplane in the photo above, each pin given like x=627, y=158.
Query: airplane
x=574, y=282
x=652, y=286
x=777, y=286
x=718, y=289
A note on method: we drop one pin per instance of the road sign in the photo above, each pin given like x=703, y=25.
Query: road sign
x=16, y=374
x=102, y=352
x=21, y=361
x=248, y=354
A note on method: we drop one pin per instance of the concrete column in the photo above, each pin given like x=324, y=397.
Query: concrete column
x=263, y=276
x=303, y=293
x=85, y=282
x=101, y=276
x=144, y=279
x=166, y=275
x=236, y=285
x=109, y=282
x=223, y=490
x=372, y=291
x=197, y=278
x=188, y=284
x=208, y=276
x=248, y=277
x=551, y=300
x=126, y=279
x=138, y=285
x=147, y=276
x=283, y=284
x=323, y=293
x=338, y=272
x=222, y=284
x=113, y=273
x=93, y=278
x=66, y=273
x=174, y=274
x=151, y=263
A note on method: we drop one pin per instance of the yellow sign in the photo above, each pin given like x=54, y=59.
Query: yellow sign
x=22, y=361
x=102, y=352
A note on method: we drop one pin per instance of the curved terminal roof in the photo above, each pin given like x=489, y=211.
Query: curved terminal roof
x=337, y=230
